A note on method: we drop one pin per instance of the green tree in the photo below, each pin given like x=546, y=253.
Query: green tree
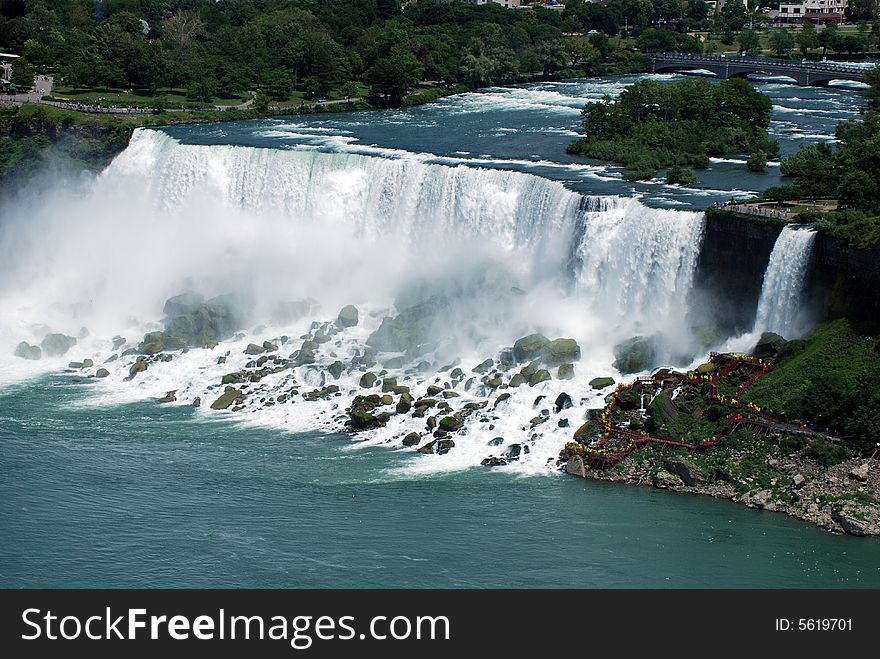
x=391, y=77
x=807, y=38
x=861, y=10
x=872, y=78
x=757, y=162
x=22, y=75
x=829, y=38
x=749, y=41
x=781, y=41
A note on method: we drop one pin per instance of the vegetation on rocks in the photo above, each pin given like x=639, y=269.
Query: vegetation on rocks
x=652, y=125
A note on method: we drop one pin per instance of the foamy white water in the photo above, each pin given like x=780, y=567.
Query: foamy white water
x=780, y=307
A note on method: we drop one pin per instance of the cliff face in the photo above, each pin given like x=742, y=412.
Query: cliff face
x=730, y=272
x=843, y=280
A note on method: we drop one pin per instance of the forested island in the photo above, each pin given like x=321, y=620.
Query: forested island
x=653, y=125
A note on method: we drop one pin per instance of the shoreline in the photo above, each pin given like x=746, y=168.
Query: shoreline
x=828, y=485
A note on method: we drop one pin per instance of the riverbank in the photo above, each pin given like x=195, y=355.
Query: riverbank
x=747, y=429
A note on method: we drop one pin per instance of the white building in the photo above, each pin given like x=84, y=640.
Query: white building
x=813, y=11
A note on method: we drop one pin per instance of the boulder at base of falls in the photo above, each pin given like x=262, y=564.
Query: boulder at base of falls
x=636, y=354
x=539, y=376
x=409, y=331
x=182, y=304
x=139, y=366
x=451, y=423
x=102, y=373
x=227, y=398
x=565, y=372
x=513, y=452
x=411, y=439
x=560, y=351
x=493, y=461
x=118, y=342
x=575, y=466
x=348, y=316
x=254, y=349
x=769, y=345
x=156, y=342
x=529, y=347
x=443, y=446
x=563, y=402
x=601, y=383
x=516, y=380
x=54, y=345
x=26, y=351
x=335, y=369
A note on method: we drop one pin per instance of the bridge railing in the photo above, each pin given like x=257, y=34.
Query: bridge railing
x=758, y=61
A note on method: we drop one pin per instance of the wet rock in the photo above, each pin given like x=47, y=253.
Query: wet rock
x=362, y=419
x=565, y=372
x=304, y=356
x=25, y=350
x=54, y=345
x=541, y=375
x=387, y=399
x=636, y=354
x=575, y=466
x=87, y=363
x=197, y=401
x=221, y=359
x=129, y=351
x=529, y=347
x=563, y=402
x=400, y=390
x=687, y=472
x=427, y=448
x=368, y=380
x=75, y=365
x=537, y=421
x=503, y=397
x=227, y=398
x=102, y=373
x=560, y=351
x=496, y=441
x=860, y=473
x=420, y=411
x=348, y=316
x=182, y=304
x=562, y=423
x=404, y=405
x=117, y=342
x=170, y=397
x=232, y=378
x=335, y=369
x=431, y=422
x=601, y=383
x=409, y=331
x=112, y=358
x=451, y=423
x=516, y=380
x=411, y=439
x=513, y=452
x=456, y=373
x=388, y=384
x=769, y=345
x=856, y=519
x=493, y=461
x=451, y=394
x=269, y=346
x=443, y=446
x=759, y=500
x=139, y=366
x=434, y=390
x=254, y=349
x=495, y=382
x=484, y=366
x=665, y=480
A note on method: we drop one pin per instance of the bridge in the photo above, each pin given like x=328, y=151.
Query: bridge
x=803, y=73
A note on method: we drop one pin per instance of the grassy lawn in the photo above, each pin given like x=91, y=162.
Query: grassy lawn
x=170, y=97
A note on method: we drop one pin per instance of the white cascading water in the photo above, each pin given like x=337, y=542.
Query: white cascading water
x=780, y=308
x=514, y=252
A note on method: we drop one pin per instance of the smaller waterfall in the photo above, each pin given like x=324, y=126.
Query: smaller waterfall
x=779, y=307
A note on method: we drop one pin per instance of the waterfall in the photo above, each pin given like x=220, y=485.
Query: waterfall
x=779, y=307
